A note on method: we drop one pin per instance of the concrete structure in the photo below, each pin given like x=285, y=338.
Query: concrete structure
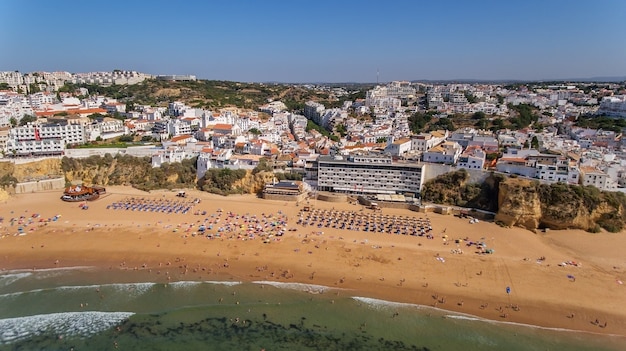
x=370, y=174
x=284, y=191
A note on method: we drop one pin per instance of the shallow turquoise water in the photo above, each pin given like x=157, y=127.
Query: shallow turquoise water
x=86, y=309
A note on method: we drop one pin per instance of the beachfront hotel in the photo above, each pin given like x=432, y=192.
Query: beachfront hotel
x=369, y=174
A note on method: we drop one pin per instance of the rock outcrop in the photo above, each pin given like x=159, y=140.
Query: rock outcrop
x=532, y=205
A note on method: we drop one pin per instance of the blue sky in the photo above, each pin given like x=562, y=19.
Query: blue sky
x=319, y=40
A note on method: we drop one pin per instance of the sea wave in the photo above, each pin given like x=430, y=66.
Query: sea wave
x=310, y=288
x=130, y=289
x=184, y=284
x=72, y=324
x=10, y=278
x=383, y=304
x=218, y=282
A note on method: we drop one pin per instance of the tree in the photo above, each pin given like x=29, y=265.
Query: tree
x=96, y=116
x=470, y=98
x=5, y=86
x=500, y=99
x=534, y=143
x=341, y=129
x=478, y=115
x=418, y=121
x=26, y=119
x=127, y=138
x=33, y=88
x=254, y=131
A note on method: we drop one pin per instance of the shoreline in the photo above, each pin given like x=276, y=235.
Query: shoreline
x=388, y=267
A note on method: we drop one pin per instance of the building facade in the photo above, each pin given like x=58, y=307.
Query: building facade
x=371, y=174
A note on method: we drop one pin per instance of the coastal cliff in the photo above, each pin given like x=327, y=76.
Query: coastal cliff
x=136, y=172
x=530, y=204
x=517, y=202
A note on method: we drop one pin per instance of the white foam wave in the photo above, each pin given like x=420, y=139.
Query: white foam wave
x=383, y=304
x=466, y=318
x=218, y=282
x=10, y=278
x=61, y=269
x=184, y=284
x=130, y=289
x=76, y=324
x=310, y=288
x=472, y=318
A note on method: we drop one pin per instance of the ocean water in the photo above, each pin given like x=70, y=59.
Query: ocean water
x=82, y=308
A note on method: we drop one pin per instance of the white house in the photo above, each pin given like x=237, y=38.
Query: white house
x=446, y=153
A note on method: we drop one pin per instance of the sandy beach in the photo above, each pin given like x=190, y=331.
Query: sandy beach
x=562, y=279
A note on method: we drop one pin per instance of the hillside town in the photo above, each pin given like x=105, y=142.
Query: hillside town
x=367, y=146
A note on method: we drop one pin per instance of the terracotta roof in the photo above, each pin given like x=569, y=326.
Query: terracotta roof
x=73, y=111
x=223, y=126
x=180, y=137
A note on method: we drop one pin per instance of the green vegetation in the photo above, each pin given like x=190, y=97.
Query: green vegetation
x=526, y=115
x=442, y=123
x=220, y=181
x=288, y=176
x=453, y=189
x=136, y=171
x=418, y=121
x=27, y=119
x=8, y=180
x=585, y=198
x=263, y=166
x=212, y=94
x=602, y=122
x=341, y=129
x=312, y=125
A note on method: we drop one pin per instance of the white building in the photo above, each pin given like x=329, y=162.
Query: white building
x=398, y=147
x=446, y=153
x=169, y=155
x=425, y=141
x=69, y=133
x=48, y=147
x=613, y=106
x=597, y=178
x=368, y=174
x=472, y=158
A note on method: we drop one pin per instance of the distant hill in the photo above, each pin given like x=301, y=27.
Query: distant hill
x=212, y=94
x=616, y=79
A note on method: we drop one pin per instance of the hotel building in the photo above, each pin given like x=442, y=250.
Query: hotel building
x=370, y=174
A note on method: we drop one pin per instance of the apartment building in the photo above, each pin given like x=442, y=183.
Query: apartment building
x=425, y=141
x=371, y=174
x=597, y=178
x=314, y=111
x=69, y=133
x=398, y=147
x=472, y=158
x=446, y=153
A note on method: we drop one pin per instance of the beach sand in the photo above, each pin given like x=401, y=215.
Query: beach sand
x=543, y=290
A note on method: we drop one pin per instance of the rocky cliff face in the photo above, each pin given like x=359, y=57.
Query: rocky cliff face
x=532, y=205
x=254, y=183
x=32, y=171
x=518, y=205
